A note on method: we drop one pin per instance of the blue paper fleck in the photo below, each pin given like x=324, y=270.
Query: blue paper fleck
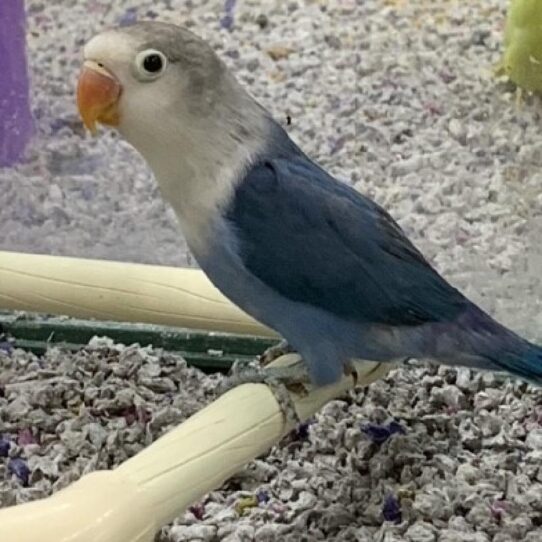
x=392, y=509
x=228, y=19
x=262, y=496
x=128, y=18
x=5, y=445
x=381, y=433
x=6, y=347
x=302, y=430
x=19, y=467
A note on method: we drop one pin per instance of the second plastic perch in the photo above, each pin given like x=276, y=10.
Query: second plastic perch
x=130, y=503
x=119, y=291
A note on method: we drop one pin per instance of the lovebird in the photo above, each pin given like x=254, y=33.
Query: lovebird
x=300, y=251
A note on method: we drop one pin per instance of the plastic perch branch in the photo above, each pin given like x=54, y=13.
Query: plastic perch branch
x=119, y=291
x=130, y=503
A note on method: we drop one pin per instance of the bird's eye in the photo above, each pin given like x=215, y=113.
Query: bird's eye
x=150, y=64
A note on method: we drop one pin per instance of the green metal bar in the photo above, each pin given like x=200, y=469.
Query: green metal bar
x=206, y=350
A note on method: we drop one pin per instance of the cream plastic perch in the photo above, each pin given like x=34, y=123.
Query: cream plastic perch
x=130, y=503
x=119, y=291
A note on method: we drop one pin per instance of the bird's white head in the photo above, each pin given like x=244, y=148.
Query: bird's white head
x=152, y=79
x=174, y=100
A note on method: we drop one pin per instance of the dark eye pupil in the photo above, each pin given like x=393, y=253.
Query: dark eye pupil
x=152, y=63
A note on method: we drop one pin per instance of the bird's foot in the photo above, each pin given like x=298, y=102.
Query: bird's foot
x=281, y=381
x=275, y=351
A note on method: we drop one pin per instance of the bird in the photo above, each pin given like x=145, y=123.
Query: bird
x=302, y=252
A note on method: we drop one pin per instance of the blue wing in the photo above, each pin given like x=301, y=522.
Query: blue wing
x=319, y=242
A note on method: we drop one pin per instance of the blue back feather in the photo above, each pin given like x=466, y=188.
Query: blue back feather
x=336, y=276
x=318, y=241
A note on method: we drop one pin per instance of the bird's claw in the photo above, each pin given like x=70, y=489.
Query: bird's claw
x=350, y=370
x=274, y=352
x=280, y=380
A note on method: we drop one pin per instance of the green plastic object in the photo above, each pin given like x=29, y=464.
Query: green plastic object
x=210, y=352
x=522, y=60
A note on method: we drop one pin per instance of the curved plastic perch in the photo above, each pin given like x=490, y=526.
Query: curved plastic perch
x=119, y=291
x=130, y=503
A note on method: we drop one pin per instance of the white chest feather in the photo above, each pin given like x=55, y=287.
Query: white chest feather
x=198, y=155
x=199, y=187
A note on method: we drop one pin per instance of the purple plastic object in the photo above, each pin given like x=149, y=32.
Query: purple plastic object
x=16, y=125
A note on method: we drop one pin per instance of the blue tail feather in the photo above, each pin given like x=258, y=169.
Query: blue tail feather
x=501, y=348
x=524, y=362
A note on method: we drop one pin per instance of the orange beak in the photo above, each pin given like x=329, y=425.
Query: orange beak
x=98, y=93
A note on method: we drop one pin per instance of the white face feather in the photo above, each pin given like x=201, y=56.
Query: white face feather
x=192, y=146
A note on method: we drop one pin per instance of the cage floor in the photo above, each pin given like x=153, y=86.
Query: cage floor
x=424, y=455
